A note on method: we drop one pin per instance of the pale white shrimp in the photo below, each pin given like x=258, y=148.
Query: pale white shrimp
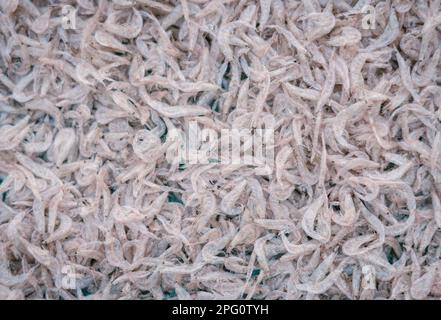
x=107, y=40
x=323, y=232
x=318, y=25
x=421, y=287
x=405, y=77
x=265, y=7
x=228, y=201
x=436, y=208
x=323, y=285
x=173, y=111
x=53, y=211
x=348, y=36
x=257, y=199
x=391, y=32
x=125, y=31
x=64, y=229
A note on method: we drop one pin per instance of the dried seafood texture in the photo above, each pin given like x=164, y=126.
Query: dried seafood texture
x=94, y=96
